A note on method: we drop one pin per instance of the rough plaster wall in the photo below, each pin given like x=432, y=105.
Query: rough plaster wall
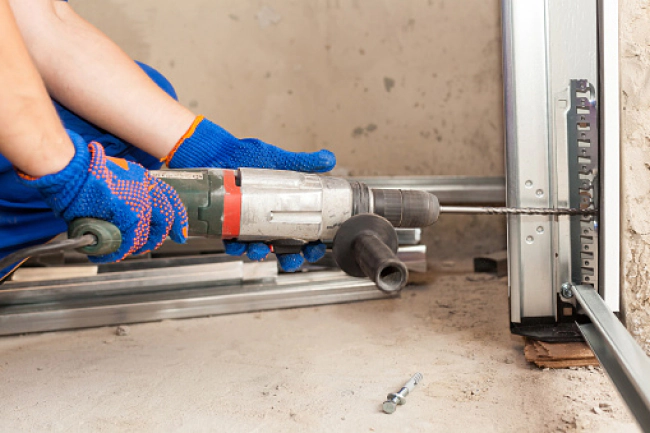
x=635, y=84
x=392, y=87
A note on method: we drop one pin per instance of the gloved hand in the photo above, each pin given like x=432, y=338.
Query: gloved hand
x=93, y=185
x=312, y=252
x=208, y=145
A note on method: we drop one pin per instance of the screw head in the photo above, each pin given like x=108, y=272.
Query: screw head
x=389, y=406
x=566, y=291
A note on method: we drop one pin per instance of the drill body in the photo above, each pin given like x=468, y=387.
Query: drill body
x=271, y=205
x=285, y=210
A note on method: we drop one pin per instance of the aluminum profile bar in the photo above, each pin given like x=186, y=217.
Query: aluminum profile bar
x=123, y=283
x=626, y=364
x=550, y=46
x=176, y=279
x=448, y=189
x=288, y=291
x=408, y=236
x=610, y=180
x=527, y=150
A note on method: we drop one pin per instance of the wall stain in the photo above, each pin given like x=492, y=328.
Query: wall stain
x=389, y=83
x=360, y=131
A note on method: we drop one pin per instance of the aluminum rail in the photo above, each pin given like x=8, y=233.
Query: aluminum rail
x=191, y=275
x=288, y=291
x=448, y=189
x=624, y=361
x=121, y=283
x=193, y=289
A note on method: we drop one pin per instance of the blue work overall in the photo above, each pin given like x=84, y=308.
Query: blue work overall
x=25, y=219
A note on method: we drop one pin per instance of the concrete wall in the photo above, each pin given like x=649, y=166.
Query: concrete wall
x=635, y=86
x=392, y=87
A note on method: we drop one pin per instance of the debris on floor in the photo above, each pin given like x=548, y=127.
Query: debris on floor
x=122, y=331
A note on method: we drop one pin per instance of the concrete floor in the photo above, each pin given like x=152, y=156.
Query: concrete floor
x=317, y=369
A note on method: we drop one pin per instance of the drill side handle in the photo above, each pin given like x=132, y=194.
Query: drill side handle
x=366, y=246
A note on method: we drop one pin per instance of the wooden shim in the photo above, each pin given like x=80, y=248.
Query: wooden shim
x=559, y=355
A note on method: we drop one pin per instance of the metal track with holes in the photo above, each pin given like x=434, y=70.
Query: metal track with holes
x=583, y=140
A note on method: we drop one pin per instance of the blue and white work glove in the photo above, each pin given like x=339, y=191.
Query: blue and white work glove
x=94, y=185
x=208, y=145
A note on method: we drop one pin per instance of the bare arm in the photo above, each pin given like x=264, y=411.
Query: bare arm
x=31, y=135
x=92, y=76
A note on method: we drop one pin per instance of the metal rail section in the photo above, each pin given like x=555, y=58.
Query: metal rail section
x=448, y=189
x=288, y=291
x=177, y=279
x=187, y=287
x=610, y=158
x=562, y=120
x=527, y=142
x=123, y=283
x=624, y=361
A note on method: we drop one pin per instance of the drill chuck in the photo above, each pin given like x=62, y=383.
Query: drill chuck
x=406, y=208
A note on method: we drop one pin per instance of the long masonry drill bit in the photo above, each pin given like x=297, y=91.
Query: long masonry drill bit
x=515, y=211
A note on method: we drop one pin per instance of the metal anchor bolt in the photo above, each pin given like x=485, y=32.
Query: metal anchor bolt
x=399, y=398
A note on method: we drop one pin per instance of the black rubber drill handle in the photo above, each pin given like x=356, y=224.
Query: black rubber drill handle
x=107, y=234
x=366, y=246
x=379, y=263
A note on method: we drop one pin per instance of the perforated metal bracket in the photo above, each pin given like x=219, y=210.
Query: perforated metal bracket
x=583, y=148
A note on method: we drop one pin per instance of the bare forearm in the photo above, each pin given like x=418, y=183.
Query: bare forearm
x=31, y=135
x=92, y=76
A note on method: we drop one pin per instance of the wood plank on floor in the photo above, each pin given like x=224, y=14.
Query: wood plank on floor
x=559, y=355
